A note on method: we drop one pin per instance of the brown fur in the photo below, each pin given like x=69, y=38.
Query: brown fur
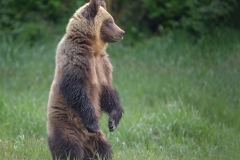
x=82, y=48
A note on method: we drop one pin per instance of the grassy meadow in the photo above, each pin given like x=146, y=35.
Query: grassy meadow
x=181, y=97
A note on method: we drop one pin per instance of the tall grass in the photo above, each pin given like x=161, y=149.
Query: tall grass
x=181, y=98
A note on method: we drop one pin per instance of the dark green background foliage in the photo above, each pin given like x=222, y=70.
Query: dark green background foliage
x=197, y=16
x=191, y=14
x=33, y=18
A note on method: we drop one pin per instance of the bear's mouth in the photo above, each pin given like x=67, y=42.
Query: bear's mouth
x=115, y=38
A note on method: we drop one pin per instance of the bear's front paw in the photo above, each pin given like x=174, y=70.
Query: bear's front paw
x=114, y=118
x=111, y=125
x=93, y=128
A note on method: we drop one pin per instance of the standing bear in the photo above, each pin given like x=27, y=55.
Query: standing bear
x=82, y=87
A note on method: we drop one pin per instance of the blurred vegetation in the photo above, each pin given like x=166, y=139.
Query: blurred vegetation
x=161, y=16
x=35, y=18
x=181, y=100
x=140, y=18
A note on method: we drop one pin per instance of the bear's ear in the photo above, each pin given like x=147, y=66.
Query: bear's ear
x=92, y=9
x=103, y=4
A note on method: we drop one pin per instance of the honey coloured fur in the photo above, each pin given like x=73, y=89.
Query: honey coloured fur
x=82, y=87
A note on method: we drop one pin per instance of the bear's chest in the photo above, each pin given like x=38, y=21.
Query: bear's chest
x=100, y=74
x=101, y=70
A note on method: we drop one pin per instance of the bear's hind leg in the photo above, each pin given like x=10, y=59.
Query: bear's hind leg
x=104, y=149
x=64, y=146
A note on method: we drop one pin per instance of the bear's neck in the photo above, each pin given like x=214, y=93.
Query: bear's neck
x=99, y=47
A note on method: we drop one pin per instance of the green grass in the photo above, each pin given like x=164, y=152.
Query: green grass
x=181, y=99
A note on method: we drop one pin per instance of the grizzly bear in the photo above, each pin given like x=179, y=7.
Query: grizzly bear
x=82, y=87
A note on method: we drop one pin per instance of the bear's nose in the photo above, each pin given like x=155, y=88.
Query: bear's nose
x=122, y=33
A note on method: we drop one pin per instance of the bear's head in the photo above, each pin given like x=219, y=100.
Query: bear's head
x=92, y=21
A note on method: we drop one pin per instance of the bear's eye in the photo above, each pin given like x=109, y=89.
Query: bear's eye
x=110, y=21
